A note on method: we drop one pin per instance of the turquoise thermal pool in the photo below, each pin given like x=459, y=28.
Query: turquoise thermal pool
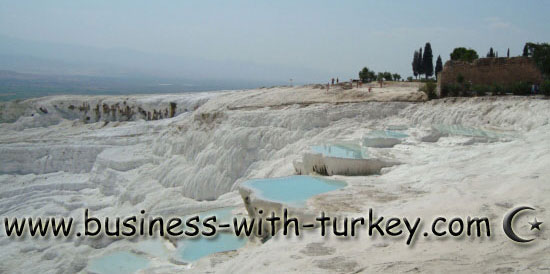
x=293, y=190
x=341, y=151
x=192, y=249
x=387, y=134
x=196, y=248
x=188, y=249
x=118, y=262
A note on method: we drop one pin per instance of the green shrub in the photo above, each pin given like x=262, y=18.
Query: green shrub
x=454, y=90
x=496, y=89
x=460, y=78
x=521, y=88
x=429, y=88
x=466, y=90
x=450, y=90
x=480, y=90
x=444, y=91
x=545, y=87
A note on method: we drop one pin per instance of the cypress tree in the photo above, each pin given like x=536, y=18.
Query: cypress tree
x=420, y=63
x=508, y=53
x=491, y=53
x=438, y=66
x=427, y=61
x=415, y=64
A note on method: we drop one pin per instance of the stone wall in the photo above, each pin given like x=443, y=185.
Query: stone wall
x=487, y=71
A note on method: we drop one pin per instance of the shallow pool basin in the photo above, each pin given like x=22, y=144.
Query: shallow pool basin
x=118, y=262
x=292, y=190
x=192, y=249
x=347, y=151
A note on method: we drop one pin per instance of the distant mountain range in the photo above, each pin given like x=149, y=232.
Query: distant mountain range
x=16, y=85
x=30, y=68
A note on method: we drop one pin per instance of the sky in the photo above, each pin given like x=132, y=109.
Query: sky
x=324, y=38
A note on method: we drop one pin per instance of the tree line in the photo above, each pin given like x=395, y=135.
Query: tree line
x=539, y=53
x=422, y=63
x=422, y=59
x=366, y=75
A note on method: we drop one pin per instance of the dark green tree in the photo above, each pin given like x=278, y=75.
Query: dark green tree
x=508, y=53
x=428, y=61
x=388, y=76
x=438, y=66
x=415, y=64
x=541, y=55
x=463, y=54
x=364, y=75
x=396, y=77
x=491, y=53
x=372, y=76
x=525, y=51
x=420, y=63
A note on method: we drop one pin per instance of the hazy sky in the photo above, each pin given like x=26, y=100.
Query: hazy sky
x=332, y=37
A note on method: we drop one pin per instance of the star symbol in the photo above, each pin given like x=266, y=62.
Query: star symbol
x=535, y=224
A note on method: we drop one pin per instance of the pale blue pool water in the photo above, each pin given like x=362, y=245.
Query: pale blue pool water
x=196, y=248
x=293, y=190
x=387, y=134
x=341, y=151
x=383, y=138
x=118, y=262
x=192, y=249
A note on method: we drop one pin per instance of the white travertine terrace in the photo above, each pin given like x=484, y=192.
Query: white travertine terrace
x=57, y=163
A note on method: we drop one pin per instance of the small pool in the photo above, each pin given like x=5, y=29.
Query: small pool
x=192, y=249
x=387, y=134
x=293, y=190
x=341, y=151
x=196, y=248
x=118, y=262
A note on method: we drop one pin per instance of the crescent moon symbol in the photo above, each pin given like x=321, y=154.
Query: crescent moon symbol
x=507, y=224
